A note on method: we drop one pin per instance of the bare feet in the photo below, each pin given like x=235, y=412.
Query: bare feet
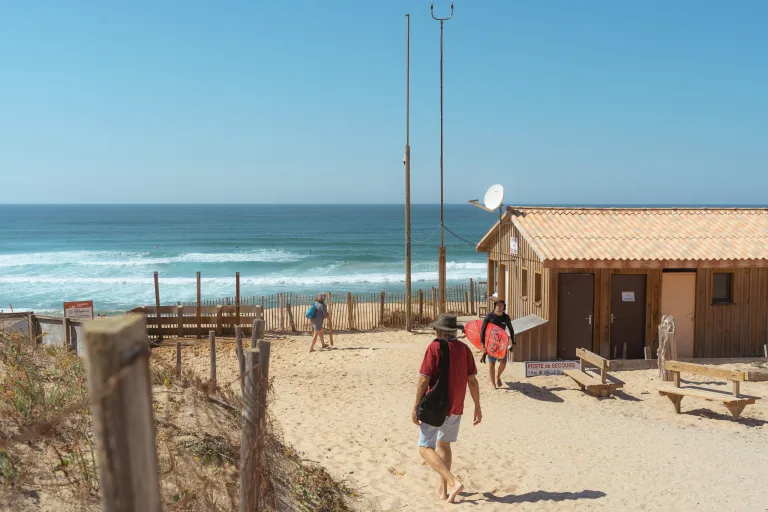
x=499, y=383
x=311, y=350
x=455, y=491
x=325, y=345
x=442, y=494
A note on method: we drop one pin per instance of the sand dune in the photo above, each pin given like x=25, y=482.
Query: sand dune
x=542, y=445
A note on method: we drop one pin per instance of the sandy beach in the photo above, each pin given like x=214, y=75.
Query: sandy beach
x=542, y=444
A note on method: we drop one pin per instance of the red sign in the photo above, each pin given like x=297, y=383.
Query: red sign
x=82, y=310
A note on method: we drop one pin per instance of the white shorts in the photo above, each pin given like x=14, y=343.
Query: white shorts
x=448, y=432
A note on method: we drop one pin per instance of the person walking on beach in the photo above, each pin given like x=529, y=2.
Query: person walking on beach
x=499, y=318
x=321, y=313
x=435, y=442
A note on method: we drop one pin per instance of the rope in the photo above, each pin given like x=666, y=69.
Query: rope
x=426, y=239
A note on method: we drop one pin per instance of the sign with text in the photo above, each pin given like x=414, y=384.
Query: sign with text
x=536, y=368
x=513, y=246
x=628, y=296
x=82, y=310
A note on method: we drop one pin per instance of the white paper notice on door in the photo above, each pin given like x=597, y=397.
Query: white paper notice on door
x=627, y=296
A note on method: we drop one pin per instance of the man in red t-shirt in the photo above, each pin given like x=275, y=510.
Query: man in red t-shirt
x=435, y=442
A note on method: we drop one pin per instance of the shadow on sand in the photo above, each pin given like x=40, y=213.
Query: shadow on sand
x=619, y=394
x=710, y=414
x=539, y=393
x=533, y=497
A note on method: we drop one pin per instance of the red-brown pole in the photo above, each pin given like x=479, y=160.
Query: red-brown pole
x=199, y=323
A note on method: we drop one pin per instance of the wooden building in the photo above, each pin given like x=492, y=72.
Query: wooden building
x=603, y=278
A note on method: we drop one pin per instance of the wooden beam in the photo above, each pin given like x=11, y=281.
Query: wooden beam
x=592, y=358
x=119, y=386
x=157, y=311
x=707, y=371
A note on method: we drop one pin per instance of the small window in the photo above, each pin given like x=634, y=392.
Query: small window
x=722, y=288
x=524, y=283
x=537, y=287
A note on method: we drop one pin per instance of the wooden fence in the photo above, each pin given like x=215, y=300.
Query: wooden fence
x=193, y=321
x=284, y=312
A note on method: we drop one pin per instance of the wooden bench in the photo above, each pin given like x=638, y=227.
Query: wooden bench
x=734, y=402
x=600, y=386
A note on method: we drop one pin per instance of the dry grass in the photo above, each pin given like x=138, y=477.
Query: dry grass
x=48, y=457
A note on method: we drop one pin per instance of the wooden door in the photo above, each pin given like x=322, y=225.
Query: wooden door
x=627, y=316
x=678, y=299
x=575, y=313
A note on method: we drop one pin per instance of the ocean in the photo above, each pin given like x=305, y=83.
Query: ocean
x=50, y=254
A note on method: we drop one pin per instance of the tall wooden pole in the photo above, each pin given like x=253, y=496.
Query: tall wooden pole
x=441, y=251
x=408, y=322
x=157, y=303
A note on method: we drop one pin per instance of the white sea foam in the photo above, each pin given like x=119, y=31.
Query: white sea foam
x=139, y=259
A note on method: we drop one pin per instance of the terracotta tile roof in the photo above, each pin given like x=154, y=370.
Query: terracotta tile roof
x=644, y=236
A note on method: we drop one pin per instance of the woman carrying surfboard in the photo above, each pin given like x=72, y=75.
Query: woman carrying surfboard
x=501, y=319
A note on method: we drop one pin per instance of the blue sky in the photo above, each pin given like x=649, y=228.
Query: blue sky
x=303, y=101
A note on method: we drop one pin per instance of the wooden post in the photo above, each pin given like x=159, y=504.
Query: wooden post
x=157, y=304
x=434, y=304
x=421, y=306
x=67, y=334
x=212, y=337
x=178, y=359
x=472, y=309
x=250, y=475
x=736, y=388
x=198, y=307
x=32, y=329
x=466, y=303
x=291, y=322
x=381, y=309
x=330, y=317
x=239, y=352
x=121, y=407
x=264, y=350
x=280, y=305
x=219, y=320
x=180, y=321
x=237, y=298
x=765, y=350
x=350, y=316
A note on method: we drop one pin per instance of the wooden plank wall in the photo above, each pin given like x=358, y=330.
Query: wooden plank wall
x=732, y=330
x=601, y=336
x=517, y=306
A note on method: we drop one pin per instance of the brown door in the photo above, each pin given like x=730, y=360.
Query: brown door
x=575, y=313
x=627, y=316
x=678, y=299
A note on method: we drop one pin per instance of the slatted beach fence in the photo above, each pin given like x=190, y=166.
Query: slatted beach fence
x=284, y=312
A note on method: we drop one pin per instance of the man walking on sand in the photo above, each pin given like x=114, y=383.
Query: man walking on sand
x=435, y=442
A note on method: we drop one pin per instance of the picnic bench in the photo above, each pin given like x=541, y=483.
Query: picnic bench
x=599, y=386
x=734, y=401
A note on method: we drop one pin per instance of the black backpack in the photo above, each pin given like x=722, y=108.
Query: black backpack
x=433, y=407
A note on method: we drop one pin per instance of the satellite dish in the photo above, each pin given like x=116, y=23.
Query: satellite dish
x=494, y=197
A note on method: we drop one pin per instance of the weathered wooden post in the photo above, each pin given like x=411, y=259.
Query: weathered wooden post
x=121, y=406
x=67, y=334
x=212, y=348
x=381, y=308
x=350, y=314
x=239, y=352
x=157, y=305
x=178, y=359
x=421, y=306
x=472, y=310
x=667, y=346
x=199, y=323
x=180, y=321
x=237, y=298
x=289, y=309
x=250, y=471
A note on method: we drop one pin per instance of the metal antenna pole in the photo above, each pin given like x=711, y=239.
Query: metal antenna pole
x=407, y=162
x=441, y=251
